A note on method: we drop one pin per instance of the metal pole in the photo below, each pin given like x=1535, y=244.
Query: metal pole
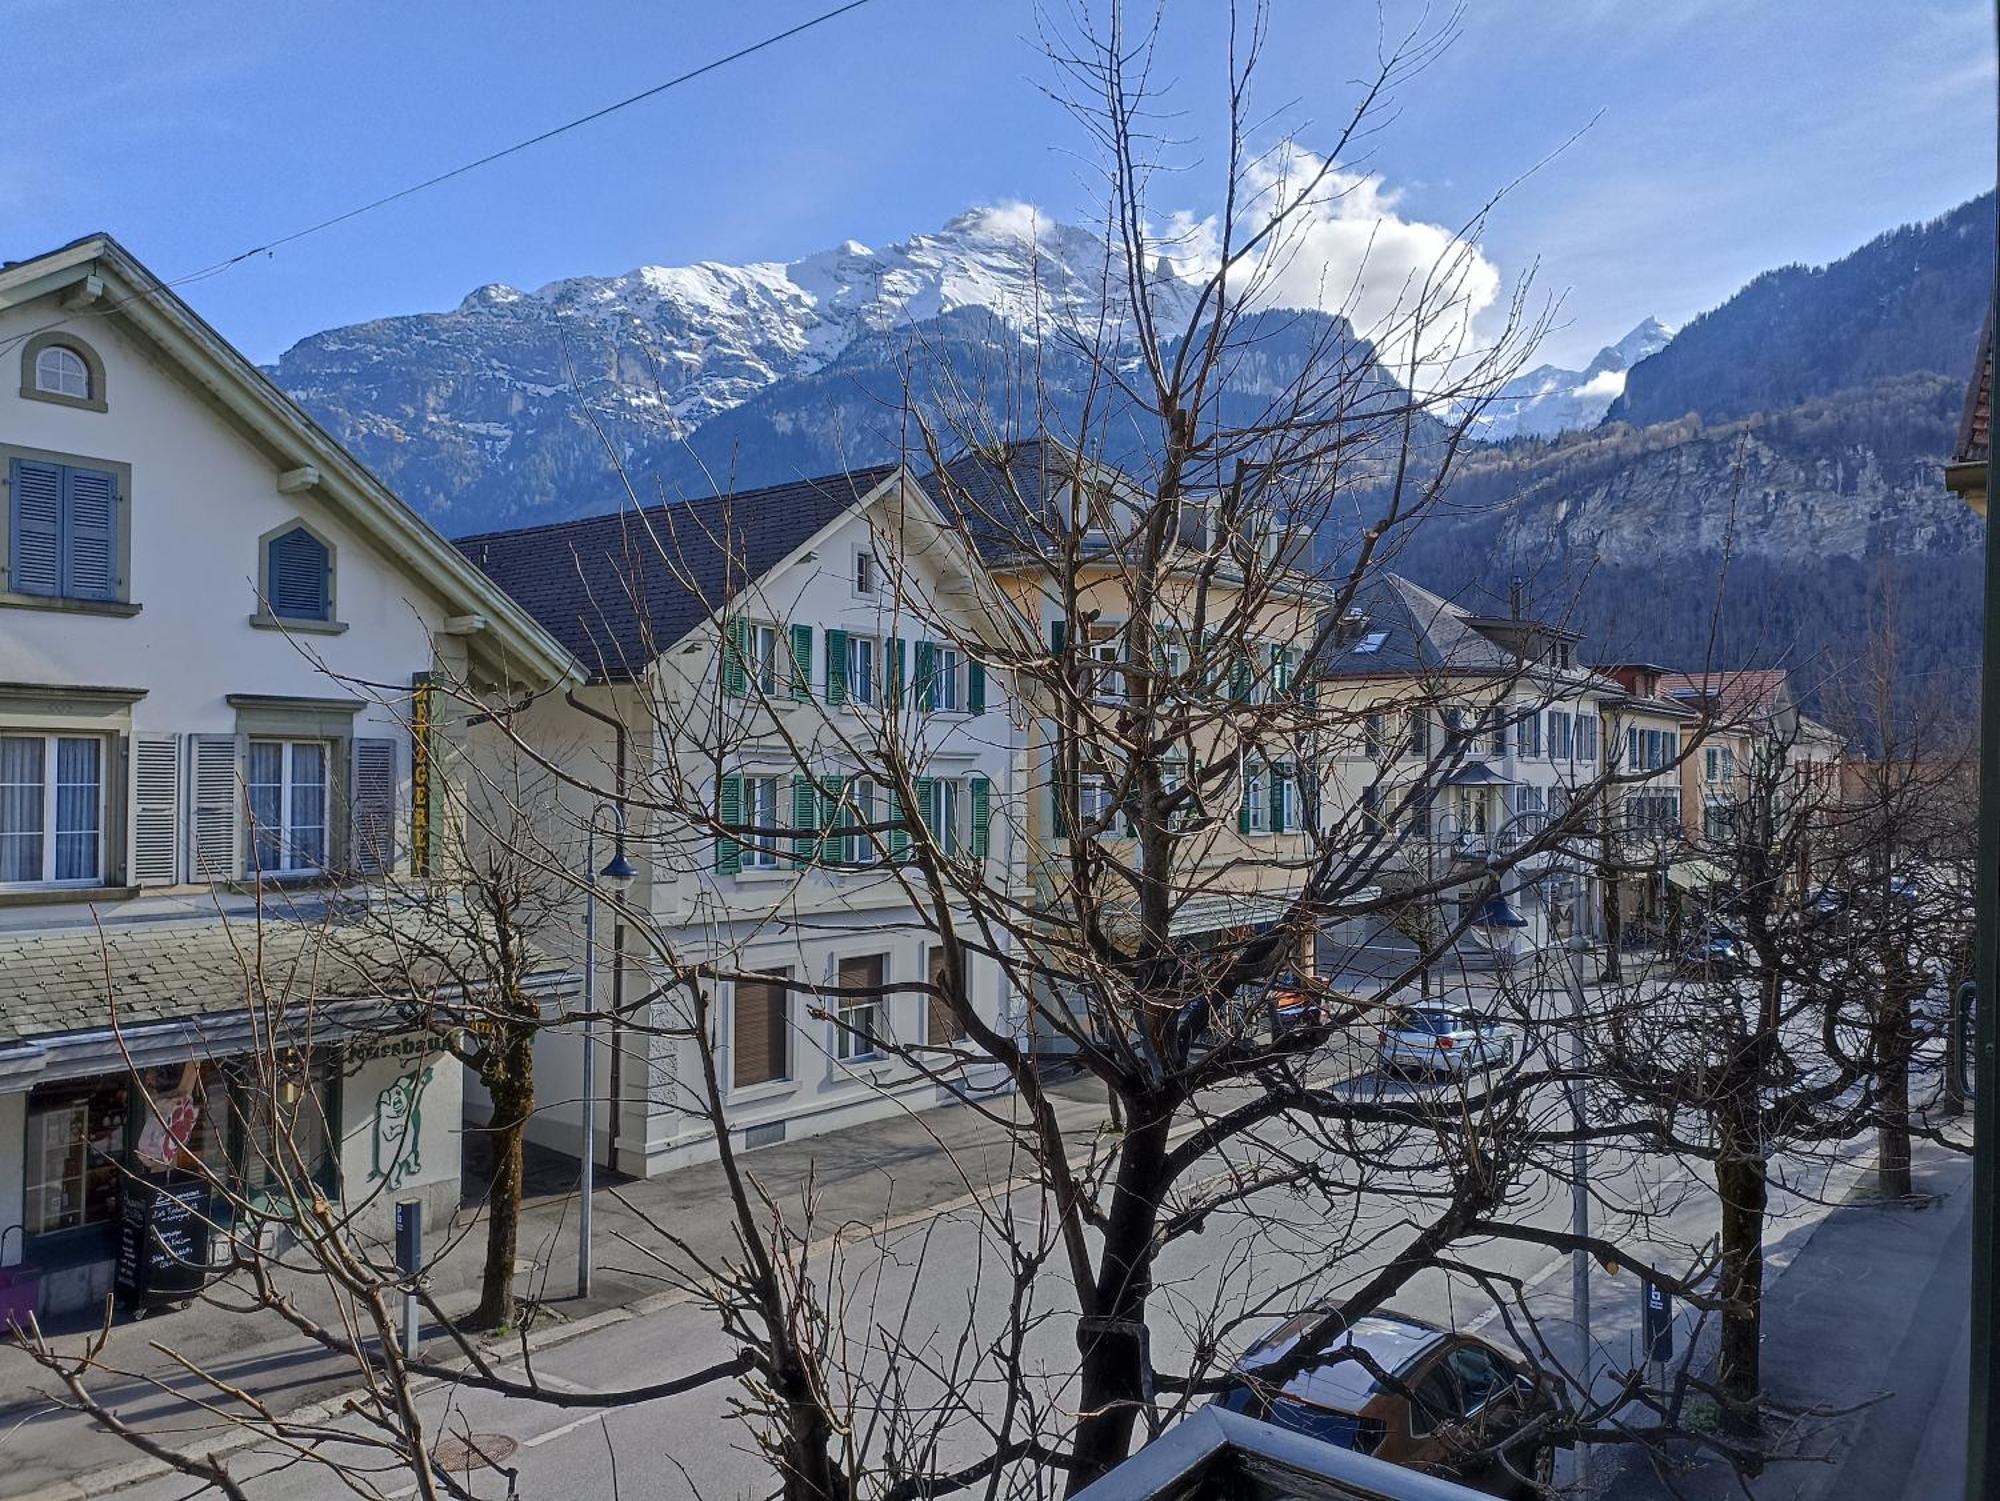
x=1982, y=1472
x=587, y=1152
x=1579, y=1200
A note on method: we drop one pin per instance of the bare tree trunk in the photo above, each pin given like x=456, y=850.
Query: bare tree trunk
x=1741, y=1182
x=1892, y=1153
x=510, y=1084
x=1613, y=972
x=1112, y=1342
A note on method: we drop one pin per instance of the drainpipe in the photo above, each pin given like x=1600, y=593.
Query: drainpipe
x=617, y=1082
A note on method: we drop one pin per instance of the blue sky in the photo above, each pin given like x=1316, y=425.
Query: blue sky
x=1729, y=137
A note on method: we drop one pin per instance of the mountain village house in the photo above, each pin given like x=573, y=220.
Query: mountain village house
x=754, y=661
x=216, y=628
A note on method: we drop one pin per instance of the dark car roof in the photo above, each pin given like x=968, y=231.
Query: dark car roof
x=1393, y=1342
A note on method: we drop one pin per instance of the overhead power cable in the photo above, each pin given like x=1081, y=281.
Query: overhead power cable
x=268, y=246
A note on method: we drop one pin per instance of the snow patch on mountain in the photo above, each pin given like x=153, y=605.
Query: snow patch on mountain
x=1549, y=400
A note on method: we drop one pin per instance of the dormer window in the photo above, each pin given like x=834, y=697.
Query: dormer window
x=59, y=367
x=60, y=371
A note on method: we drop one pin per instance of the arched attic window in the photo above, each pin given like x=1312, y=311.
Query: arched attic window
x=57, y=366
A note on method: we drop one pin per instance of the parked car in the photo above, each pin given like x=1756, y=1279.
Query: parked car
x=1712, y=951
x=1449, y=1405
x=1440, y=1039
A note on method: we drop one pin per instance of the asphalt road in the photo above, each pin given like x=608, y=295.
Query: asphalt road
x=919, y=1302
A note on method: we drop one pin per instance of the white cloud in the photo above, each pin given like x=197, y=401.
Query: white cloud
x=1412, y=287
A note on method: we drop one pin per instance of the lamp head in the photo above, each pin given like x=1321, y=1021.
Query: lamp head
x=618, y=875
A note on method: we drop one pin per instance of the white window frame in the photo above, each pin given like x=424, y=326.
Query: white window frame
x=769, y=669
x=760, y=852
x=948, y=680
x=866, y=579
x=51, y=787
x=48, y=358
x=1257, y=792
x=847, y=1044
x=864, y=686
x=1288, y=803
x=288, y=786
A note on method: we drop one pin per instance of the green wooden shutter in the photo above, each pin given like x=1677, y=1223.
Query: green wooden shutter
x=975, y=687
x=735, y=656
x=802, y=661
x=982, y=818
x=1280, y=775
x=836, y=667
x=1239, y=673
x=1058, y=633
x=895, y=666
x=833, y=847
x=729, y=809
x=927, y=675
x=927, y=805
x=1058, y=805
x=899, y=834
x=1243, y=805
x=805, y=820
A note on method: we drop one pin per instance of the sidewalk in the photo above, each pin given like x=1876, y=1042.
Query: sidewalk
x=1868, y=1325
x=904, y=1165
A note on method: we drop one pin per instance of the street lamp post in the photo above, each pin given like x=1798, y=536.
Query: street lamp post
x=1579, y=1190
x=617, y=877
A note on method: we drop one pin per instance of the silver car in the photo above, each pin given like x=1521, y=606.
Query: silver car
x=1441, y=1039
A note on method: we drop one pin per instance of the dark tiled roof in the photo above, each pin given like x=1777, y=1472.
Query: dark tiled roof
x=1404, y=628
x=1007, y=498
x=1975, y=425
x=618, y=590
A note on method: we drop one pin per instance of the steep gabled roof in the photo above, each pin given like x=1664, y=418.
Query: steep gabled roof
x=1405, y=628
x=98, y=277
x=1008, y=498
x=1741, y=694
x=617, y=590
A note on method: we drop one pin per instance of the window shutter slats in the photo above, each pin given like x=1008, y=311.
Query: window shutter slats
x=90, y=549
x=899, y=833
x=982, y=818
x=927, y=675
x=295, y=576
x=897, y=672
x=372, y=805
x=836, y=667
x=834, y=847
x=802, y=661
x=735, y=656
x=156, y=810
x=805, y=818
x=215, y=810
x=975, y=687
x=729, y=810
x=34, y=561
x=927, y=805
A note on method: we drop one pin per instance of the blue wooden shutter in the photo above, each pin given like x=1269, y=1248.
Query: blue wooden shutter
x=802, y=661
x=34, y=562
x=90, y=540
x=729, y=810
x=295, y=576
x=836, y=667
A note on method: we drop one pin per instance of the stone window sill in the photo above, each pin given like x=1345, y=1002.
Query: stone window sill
x=119, y=607
x=298, y=627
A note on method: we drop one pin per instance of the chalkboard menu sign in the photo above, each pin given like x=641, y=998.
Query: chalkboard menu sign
x=162, y=1239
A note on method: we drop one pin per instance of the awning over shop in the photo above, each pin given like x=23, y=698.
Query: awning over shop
x=1695, y=875
x=1219, y=911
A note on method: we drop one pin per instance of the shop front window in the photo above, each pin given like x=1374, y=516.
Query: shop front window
x=75, y=1148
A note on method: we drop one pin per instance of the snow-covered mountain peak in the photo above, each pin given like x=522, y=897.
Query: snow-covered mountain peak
x=1549, y=399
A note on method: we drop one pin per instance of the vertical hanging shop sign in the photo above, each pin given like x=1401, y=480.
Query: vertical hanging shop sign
x=420, y=775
